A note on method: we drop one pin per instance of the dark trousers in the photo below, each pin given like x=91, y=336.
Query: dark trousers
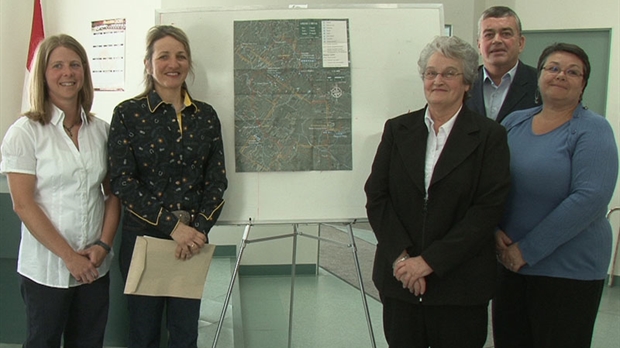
x=145, y=317
x=420, y=326
x=544, y=312
x=146, y=312
x=78, y=314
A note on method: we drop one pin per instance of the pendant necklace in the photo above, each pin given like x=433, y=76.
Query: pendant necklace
x=68, y=129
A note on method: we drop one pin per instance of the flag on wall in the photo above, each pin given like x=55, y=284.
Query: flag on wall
x=36, y=36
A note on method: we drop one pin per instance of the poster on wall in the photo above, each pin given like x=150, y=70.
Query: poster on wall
x=292, y=95
x=108, y=54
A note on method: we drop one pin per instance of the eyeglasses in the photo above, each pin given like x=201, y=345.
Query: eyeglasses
x=555, y=70
x=447, y=75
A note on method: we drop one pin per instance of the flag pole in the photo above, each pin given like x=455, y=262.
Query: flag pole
x=37, y=34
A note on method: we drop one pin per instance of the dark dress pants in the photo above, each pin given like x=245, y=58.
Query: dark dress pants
x=78, y=314
x=408, y=325
x=544, y=312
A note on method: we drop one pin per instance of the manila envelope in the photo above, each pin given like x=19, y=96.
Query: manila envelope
x=155, y=271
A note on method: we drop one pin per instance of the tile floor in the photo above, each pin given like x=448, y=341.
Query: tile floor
x=327, y=312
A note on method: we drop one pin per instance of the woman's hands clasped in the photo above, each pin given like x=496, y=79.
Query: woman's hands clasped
x=411, y=272
x=81, y=267
x=508, y=253
x=189, y=241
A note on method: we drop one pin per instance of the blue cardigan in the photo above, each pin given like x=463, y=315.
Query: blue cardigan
x=562, y=183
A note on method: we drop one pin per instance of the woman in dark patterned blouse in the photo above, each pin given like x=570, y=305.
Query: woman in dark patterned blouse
x=167, y=166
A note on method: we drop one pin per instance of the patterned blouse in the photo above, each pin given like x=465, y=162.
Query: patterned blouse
x=156, y=169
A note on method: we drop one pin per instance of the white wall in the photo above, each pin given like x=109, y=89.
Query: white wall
x=457, y=12
x=74, y=16
x=140, y=17
x=15, y=21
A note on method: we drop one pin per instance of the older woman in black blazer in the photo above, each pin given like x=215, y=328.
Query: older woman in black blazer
x=435, y=195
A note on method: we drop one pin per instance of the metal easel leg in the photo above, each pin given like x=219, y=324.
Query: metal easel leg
x=613, y=262
x=361, y=284
x=615, y=252
x=242, y=246
x=292, y=299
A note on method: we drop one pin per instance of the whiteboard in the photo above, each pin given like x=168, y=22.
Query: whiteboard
x=385, y=43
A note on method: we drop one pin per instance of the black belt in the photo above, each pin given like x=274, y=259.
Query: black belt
x=184, y=216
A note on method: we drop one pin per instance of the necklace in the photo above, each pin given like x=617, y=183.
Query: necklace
x=68, y=129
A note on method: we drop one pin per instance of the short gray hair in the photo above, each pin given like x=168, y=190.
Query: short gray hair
x=454, y=48
x=499, y=12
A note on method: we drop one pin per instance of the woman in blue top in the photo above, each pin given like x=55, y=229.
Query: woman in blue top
x=554, y=241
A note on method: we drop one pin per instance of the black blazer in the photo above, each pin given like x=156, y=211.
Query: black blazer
x=521, y=95
x=453, y=230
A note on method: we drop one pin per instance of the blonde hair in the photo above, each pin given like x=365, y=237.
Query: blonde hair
x=38, y=87
x=156, y=33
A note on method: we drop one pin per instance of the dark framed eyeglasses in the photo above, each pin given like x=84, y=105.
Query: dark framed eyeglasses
x=555, y=70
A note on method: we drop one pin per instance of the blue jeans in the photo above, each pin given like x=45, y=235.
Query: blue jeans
x=145, y=317
x=146, y=312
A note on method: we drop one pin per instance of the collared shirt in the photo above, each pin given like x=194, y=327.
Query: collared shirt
x=494, y=95
x=156, y=169
x=68, y=189
x=435, y=144
x=187, y=101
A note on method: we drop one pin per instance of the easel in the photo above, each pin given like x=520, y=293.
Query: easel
x=296, y=232
x=615, y=253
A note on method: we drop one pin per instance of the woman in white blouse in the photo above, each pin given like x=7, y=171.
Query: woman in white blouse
x=55, y=160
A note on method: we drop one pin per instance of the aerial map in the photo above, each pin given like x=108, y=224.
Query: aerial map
x=292, y=95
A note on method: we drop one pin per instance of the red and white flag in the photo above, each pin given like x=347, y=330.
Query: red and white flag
x=36, y=36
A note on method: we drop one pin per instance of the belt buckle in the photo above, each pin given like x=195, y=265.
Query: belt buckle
x=183, y=216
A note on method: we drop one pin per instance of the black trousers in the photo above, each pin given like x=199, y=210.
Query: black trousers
x=409, y=325
x=544, y=312
x=146, y=312
x=145, y=318
x=78, y=314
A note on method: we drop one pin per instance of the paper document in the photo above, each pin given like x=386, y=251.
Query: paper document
x=155, y=271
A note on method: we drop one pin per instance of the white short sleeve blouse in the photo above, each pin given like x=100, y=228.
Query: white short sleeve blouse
x=68, y=189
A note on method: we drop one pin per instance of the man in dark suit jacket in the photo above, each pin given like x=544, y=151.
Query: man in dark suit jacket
x=504, y=83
